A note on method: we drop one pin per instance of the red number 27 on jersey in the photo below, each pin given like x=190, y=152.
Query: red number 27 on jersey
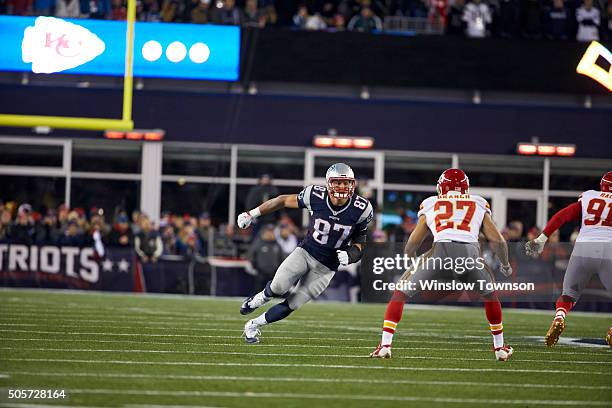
x=445, y=209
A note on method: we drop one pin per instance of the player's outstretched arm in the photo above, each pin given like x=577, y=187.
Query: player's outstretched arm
x=416, y=237
x=498, y=243
x=572, y=212
x=274, y=204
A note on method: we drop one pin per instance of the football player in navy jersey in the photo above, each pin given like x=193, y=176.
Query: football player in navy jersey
x=336, y=236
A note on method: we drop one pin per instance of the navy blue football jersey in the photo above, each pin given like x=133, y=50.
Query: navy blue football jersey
x=332, y=228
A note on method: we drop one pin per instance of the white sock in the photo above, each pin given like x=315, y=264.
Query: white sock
x=387, y=338
x=259, y=300
x=560, y=314
x=260, y=320
x=498, y=340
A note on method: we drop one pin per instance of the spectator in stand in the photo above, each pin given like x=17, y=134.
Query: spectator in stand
x=531, y=19
x=67, y=9
x=556, y=21
x=43, y=7
x=456, y=25
x=315, y=22
x=118, y=10
x=72, y=236
x=150, y=11
x=588, y=19
x=5, y=223
x=168, y=240
x=509, y=18
x=366, y=21
x=285, y=238
x=265, y=255
x=515, y=231
x=97, y=9
x=328, y=13
x=299, y=19
x=121, y=234
x=253, y=16
x=224, y=244
x=170, y=11
x=187, y=241
x=203, y=232
x=201, y=13
x=438, y=12
x=263, y=191
x=48, y=232
x=148, y=243
x=229, y=14
x=22, y=230
x=19, y=7
x=477, y=15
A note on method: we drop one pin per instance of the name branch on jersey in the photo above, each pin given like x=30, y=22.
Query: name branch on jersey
x=455, y=216
x=333, y=228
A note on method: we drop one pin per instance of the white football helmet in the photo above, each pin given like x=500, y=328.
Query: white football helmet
x=340, y=171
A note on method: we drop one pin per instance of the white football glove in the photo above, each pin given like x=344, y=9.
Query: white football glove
x=535, y=247
x=244, y=220
x=343, y=257
x=506, y=270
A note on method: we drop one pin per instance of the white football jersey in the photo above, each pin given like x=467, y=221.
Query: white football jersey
x=596, y=223
x=455, y=216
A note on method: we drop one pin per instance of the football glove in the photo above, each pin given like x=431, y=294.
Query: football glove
x=246, y=218
x=535, y=247
x=351, y=255
x=506, y=270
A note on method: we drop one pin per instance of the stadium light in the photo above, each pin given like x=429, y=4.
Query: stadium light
x=343, y=142
x=152, y=135
x=545, y=149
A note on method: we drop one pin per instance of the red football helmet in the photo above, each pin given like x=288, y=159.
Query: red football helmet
x=606, y=182
x=453, y=180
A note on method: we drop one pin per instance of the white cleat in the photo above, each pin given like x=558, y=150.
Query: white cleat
x=503, y=353
x=381, y=351
x=251, y=332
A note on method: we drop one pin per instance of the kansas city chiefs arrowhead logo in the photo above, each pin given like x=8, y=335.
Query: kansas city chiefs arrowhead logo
x=55, y=45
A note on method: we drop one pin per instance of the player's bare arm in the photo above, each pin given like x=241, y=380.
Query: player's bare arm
x=274, y=204
x=417, y=237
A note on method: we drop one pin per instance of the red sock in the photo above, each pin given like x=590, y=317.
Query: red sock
x=393, y=315
x=493, y=310
x=563, y=306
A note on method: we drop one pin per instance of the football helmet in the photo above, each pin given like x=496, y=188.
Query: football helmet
x=453, y=180
x=336, y=172
x=606, y=182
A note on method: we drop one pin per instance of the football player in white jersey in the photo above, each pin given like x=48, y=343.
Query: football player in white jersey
x=455, y=218
x=592, y=252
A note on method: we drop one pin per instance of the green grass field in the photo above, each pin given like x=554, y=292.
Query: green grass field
x=129, y=350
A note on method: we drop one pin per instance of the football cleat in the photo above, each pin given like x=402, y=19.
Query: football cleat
x=503, y=353
x=251, y=332
x=381, y=351
x=609, y=337
x=245, y=309
x=555, y=330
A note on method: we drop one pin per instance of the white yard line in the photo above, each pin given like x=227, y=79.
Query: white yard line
x=328, y=339
x=486, y=346
x=349, y=397
x=309, y=355
x=306, y=380
x=301, y=365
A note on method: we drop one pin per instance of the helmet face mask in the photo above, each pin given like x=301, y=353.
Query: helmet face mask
x=606, y=182
x=453, y=180
x=340, y=181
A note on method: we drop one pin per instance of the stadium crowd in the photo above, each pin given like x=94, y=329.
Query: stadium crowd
x=584, y=20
